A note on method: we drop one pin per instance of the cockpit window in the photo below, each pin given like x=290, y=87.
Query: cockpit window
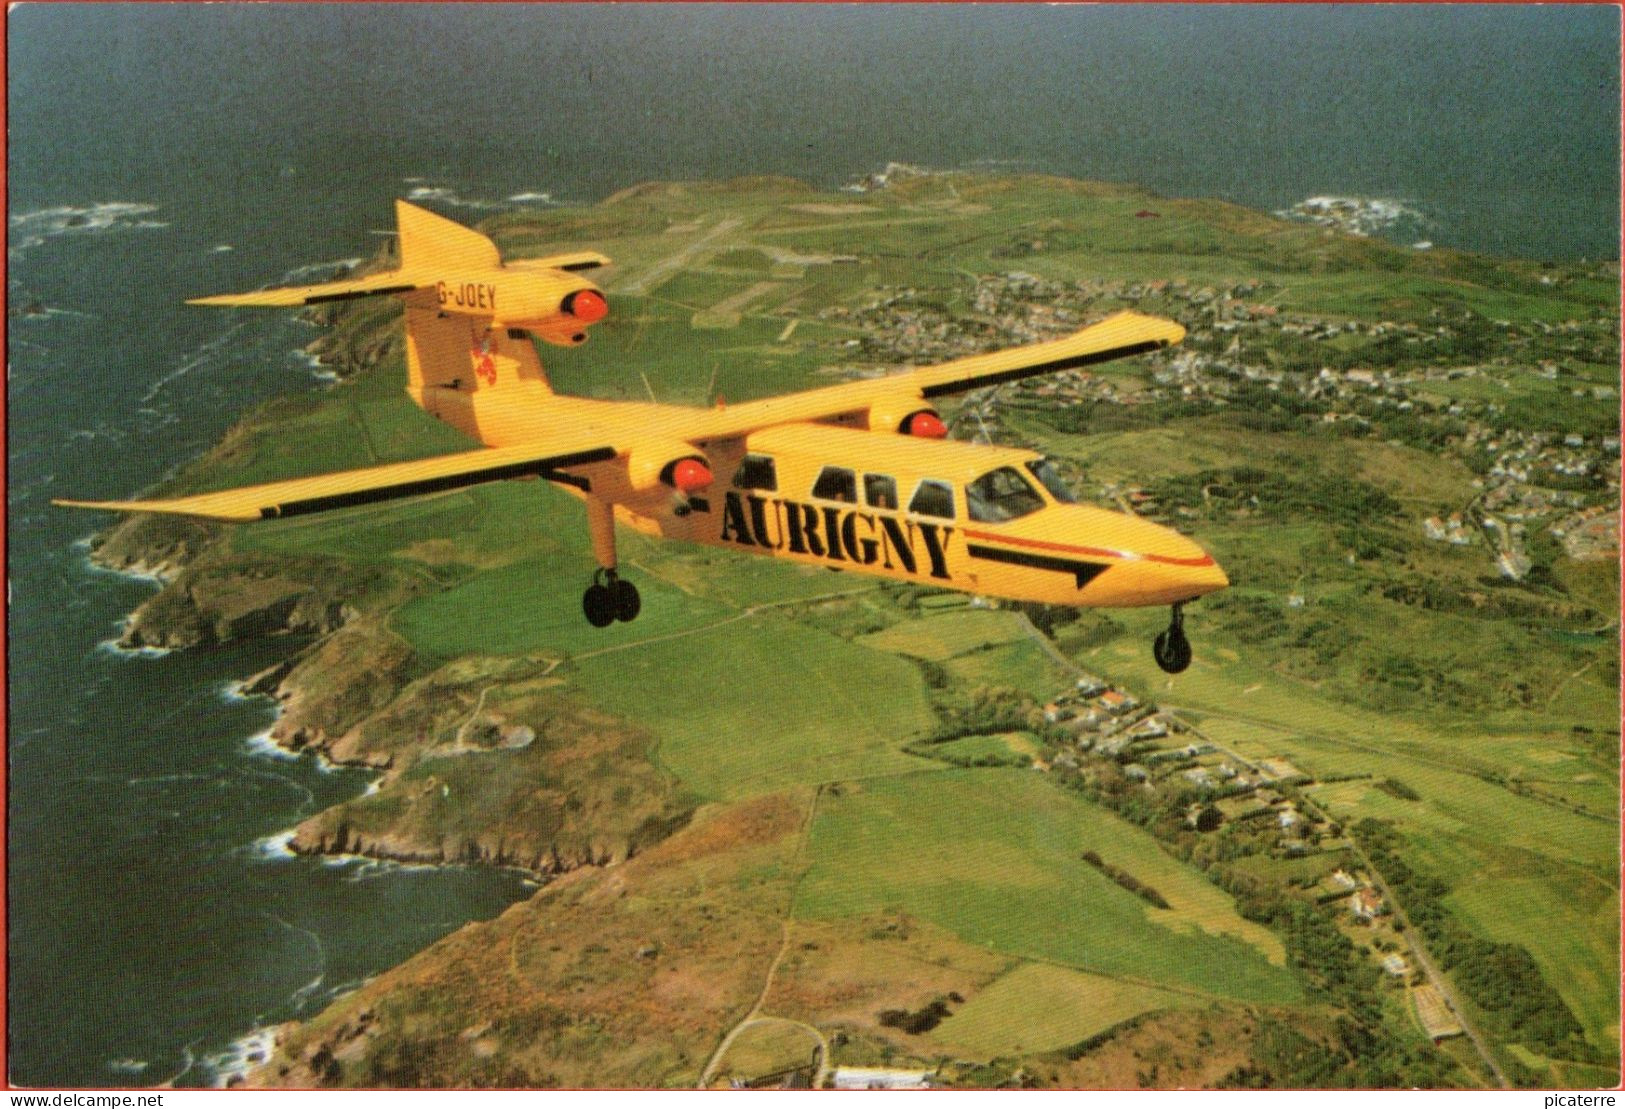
x=836, y=483
x=933, y=498
x=1001, y=495
x=1044, y=470
x=757, y=472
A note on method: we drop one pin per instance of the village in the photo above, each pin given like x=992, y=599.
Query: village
x=1563, y=484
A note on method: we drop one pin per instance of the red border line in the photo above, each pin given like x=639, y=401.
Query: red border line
x=1042, y=544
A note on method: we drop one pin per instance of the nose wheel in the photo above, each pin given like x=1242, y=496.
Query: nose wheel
x=1171, y=649
x=609, y=599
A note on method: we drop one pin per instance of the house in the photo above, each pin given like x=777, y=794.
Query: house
x=1089, y=686
x=880, y=1078
x=1434, y=1012
x=1134, y=772
x=1396, y=965
x=1367, y=905
x=1199, y=776
x=1116, y=702
x=1114, y=746
x=1152, y=728
x=1165, y=754
x=1342, y=879
x=1288, y=818
x=1085, y=723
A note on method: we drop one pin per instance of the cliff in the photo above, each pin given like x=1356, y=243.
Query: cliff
x=482, y=760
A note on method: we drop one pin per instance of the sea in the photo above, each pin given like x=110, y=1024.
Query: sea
x=158, y=926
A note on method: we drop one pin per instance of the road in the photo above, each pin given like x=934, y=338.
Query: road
x=1425, y=960
x=1412, y=936
x=755, y=1017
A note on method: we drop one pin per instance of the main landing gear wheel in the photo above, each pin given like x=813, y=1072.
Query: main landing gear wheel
x=624, y=596
x=599, y=605
x=609, y=599
x=1171, y=649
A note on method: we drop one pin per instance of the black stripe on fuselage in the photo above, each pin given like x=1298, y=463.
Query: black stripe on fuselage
x=547, y=468
x=1076, y=362
x=1085, y=572
x=326, y=298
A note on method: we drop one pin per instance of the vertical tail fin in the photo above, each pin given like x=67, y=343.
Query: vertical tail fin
x=428, y=241
x=451, y=359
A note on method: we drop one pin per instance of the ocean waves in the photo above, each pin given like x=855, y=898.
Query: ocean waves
x=424, y=193
x=32, y=229
x=1360, y=215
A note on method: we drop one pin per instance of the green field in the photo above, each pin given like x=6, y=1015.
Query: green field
x=994, y=856
x=1038, y=1007
x=759, y=704
x=941, y=637
x=1007, y=749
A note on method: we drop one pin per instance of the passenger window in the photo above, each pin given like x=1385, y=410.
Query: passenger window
x=933, y=498
x=836, y=483
x=757, y=472
x=879, y=491
x=1001, y=495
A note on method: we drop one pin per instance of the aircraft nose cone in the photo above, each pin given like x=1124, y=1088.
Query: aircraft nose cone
x=1210, y=578
x=1166, y=579
x=1159, y=565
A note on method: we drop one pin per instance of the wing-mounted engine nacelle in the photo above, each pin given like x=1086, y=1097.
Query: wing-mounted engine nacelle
x=907, y=415
x=555, y=305
x=672, y=465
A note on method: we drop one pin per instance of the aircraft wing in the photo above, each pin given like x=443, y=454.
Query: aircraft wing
x=295, y=296
x=347, y=488
x=1119, y=336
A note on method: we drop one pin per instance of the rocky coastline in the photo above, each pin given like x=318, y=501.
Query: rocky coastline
x=354, y=693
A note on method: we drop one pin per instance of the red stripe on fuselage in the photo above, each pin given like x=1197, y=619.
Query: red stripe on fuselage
x=1043, y=544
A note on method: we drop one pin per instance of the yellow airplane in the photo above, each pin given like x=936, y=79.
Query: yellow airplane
x=856, y=476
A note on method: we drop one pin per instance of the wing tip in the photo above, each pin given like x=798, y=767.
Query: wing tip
x=162, y=508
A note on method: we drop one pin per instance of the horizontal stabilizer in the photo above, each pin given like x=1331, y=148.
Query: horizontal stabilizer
x=295, y=296
x=573, y=262
x=348, y=488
